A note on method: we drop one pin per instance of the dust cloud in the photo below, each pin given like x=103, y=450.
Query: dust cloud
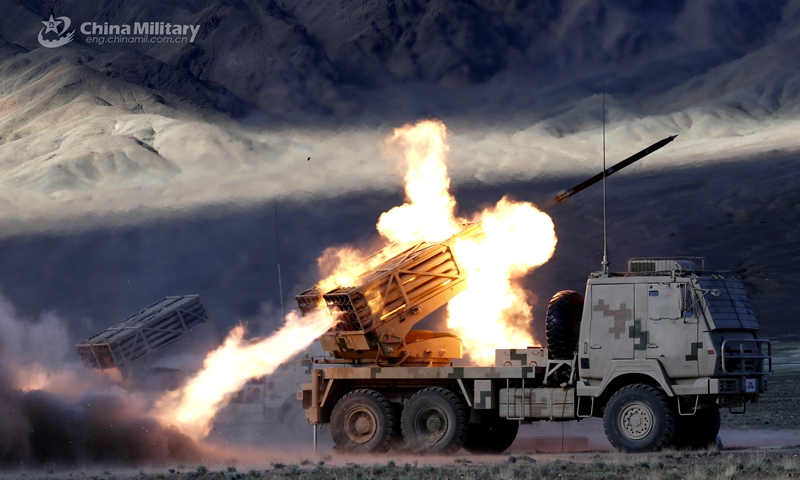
x=54, y=412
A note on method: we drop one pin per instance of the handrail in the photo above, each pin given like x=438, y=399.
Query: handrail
x=742, y=356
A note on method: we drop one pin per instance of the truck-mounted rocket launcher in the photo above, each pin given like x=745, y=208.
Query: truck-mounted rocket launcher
x=373, y=317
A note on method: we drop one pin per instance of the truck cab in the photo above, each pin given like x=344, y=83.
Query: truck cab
x=669, y=323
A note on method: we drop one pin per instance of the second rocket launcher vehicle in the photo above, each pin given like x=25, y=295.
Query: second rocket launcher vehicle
x=565, y=194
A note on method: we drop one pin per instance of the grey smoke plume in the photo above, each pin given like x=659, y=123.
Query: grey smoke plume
x=50, y=414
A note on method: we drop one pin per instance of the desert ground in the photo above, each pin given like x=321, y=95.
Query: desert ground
x=763, y=443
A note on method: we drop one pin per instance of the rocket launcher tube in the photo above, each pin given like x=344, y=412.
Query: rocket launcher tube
x=565, y=194
x=375, y=316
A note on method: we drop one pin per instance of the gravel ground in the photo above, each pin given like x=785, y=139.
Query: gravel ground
x=770, y=421
x=780, y=463
x=777, y=408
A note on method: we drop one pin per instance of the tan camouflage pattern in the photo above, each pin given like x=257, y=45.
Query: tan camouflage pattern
x=483, y=395
x=540, y=403
x=521, y=357
x=418, y=373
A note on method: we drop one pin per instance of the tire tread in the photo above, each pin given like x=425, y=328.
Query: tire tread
x=460, y=412
x=668, y=419
x=383, y=404
x=563, y=317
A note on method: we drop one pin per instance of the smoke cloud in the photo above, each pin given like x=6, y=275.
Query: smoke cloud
x=519, y=84
x=53, y=412
x=205, y=164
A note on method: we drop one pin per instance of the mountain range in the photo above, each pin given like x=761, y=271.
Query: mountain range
x=294, y=99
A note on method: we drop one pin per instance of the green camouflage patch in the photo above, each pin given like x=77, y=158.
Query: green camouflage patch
x=521, y=357
x=482, y=403
x=695, y=347
x=636, y=332
x=458, y=372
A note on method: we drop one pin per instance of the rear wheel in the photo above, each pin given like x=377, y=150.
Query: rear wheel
x=434, y=421
x=697, y=431
x=638, y=418
x=363, y=421
x=563, y=324
x=494, y=436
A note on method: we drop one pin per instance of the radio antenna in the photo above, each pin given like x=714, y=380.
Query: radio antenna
x=605, y=230
x=278, y=257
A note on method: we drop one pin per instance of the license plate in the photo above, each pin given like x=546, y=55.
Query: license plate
x=750, y=385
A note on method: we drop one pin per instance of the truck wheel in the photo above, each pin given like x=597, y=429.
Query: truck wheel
x=563, y=324
x=493, y=437
x=296, y=423
x=434, y=421
x=638, y=418
x=697, y=431
x=362, y=421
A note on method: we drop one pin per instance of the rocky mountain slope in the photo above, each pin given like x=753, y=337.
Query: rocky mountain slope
x=294, y=99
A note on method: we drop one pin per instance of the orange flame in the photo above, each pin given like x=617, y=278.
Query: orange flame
x=228, y=368
x=492, y=313
x=429, y=214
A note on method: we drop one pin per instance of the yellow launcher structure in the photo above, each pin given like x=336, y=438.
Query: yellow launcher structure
x=374, y=318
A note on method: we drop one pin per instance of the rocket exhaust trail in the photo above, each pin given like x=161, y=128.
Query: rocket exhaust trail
x=565, y=194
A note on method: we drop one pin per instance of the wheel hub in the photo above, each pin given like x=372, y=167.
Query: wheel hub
x=431, y=424
x=360, y=425
x=636, y=420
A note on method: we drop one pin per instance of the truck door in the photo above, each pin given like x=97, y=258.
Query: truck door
x=672, y=329
x=612, y=331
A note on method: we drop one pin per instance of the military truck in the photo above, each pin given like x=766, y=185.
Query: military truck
x=152, y=348
x=161, y=346
x=655, y=351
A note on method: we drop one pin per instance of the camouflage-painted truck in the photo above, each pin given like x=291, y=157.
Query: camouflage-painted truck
x=655, y=351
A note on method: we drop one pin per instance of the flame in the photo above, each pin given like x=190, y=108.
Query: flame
x=343, y=266
x=429, y=214
x=32, y=377
x=340, y=266
x=227, y=369
x=492, y=313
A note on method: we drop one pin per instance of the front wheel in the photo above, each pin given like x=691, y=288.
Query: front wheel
x=638, y=418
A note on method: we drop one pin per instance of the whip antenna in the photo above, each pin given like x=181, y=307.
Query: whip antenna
x=278, y=258
x=605, y=231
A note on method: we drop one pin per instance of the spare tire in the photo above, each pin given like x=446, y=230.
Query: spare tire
x=563, y=324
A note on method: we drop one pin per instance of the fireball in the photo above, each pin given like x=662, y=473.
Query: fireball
x=492, y=313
